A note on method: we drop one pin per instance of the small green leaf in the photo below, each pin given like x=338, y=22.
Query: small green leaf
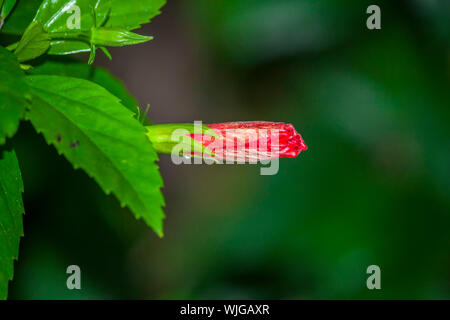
x=11, y=210
x=12, y=94
x=21, y=16
x=129, y=14
x=34, y=43
x=95, y=132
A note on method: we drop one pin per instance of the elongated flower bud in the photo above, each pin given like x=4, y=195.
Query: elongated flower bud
x=116, y=37
x=233, y=141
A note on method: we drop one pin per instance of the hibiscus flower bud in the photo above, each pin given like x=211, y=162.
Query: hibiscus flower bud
x=232, y=141
x=116, y=37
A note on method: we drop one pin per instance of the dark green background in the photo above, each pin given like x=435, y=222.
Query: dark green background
x=373, y=187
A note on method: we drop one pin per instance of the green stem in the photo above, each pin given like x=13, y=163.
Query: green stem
x=82, y=35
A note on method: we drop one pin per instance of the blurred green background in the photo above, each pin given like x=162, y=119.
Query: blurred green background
x=373, y=187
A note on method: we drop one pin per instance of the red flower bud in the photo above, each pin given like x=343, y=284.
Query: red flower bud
x=252, y=141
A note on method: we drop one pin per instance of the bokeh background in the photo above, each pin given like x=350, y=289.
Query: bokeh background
x=373, y=187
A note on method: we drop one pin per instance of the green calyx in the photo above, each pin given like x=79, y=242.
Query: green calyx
x=165, y=137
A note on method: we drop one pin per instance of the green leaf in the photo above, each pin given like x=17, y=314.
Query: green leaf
x=129, y=14
x=67, y=66
x=11, y=210
x=21, y=16
x=54, y=15
x=109, y=21
x=95, y=132
x=6, y=7
x=12, y=94
x=34, y=43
